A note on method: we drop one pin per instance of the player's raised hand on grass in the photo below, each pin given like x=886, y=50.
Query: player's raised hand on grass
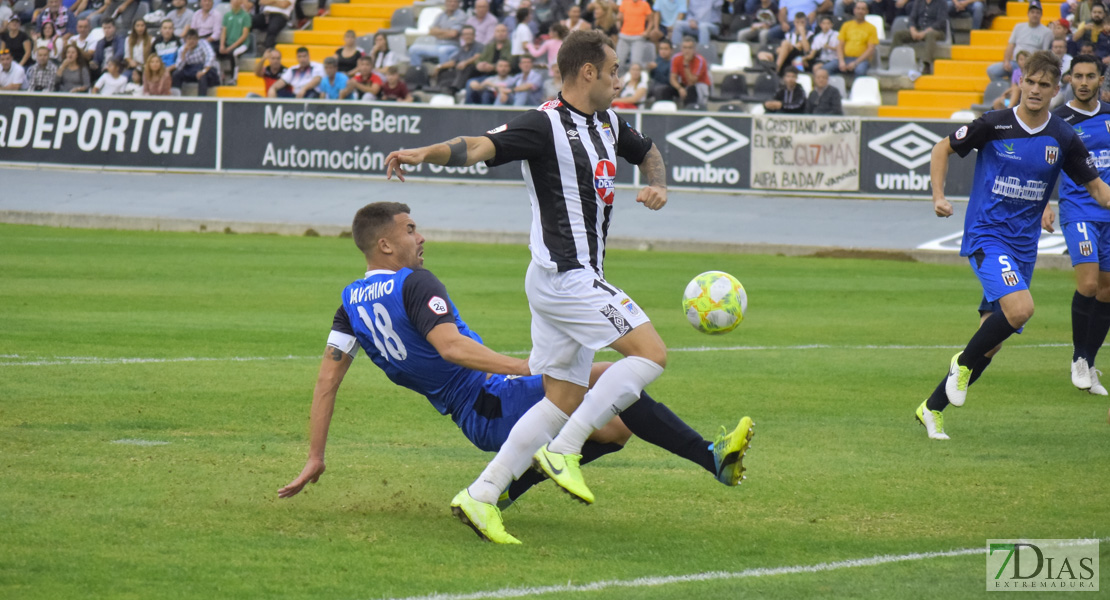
x=653, y=197
x=1048, y=218
x=942, y=207
x=311, y=473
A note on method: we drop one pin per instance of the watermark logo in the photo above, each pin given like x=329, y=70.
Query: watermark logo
x=707, y=139
x=1042, y=565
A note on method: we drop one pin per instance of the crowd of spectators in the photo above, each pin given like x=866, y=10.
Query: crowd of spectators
x=498, y=52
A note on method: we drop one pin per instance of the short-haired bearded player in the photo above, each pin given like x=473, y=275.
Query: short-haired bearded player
x=1086, y=225
x=569, y=148
x=1021, y=153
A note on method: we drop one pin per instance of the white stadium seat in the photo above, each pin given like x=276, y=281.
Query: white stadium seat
x=865, y=92
x=737, y=57
x=424, y=22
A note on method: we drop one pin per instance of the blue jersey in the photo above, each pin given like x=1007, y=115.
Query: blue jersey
x=1015, y=172
x=1094, y=129
x=391, y=313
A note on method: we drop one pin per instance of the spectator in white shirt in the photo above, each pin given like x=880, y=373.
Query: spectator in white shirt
x=299, y=81
x=523, y=34
x=112, y=82
x=12, y=75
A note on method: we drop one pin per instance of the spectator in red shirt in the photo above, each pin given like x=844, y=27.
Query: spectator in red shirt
x=394, y=88
x=269, y=68
x=365, y=83
x=690, y=75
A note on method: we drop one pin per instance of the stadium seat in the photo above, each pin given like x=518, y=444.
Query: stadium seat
x=992, y=93
x=398, y=46
x=880, y=25
x=865, y=92
x=837, y=81
x=732, y=107
x=733, y=87
x=899, y=24
x=757, y=109
x=401, y=20
x=424, y=23
x=765, y=87
x=963, y=115
x=709, y=52
x=903, y=59
x=806, y=81
x=738, y=56
x=664, y=106
x=441, y=100
x=416, y=77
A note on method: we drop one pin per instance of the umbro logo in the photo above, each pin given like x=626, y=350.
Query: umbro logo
x=911, y=145
x=572, y=134
x=707, y=139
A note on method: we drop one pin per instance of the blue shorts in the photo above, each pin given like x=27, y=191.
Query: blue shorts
x=499, y=405
x=999, y=273
x=1088, y=242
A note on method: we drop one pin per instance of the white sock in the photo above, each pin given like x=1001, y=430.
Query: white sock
x=617, y=388
x=532, y=431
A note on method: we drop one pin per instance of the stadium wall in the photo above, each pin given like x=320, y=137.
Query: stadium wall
x=772, y=154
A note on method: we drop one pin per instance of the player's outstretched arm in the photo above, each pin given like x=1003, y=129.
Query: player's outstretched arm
x=938, y=172
x=1098, y=190
x=457, y=152
x=466, y=352
x=654, y=195
x=332, y=370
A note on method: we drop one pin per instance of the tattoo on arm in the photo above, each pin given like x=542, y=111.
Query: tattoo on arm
x=458, y=152
x=653, y=168
x=335, y=354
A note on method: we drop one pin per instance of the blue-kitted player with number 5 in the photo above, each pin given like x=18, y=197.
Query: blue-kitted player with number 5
x=1021, y=154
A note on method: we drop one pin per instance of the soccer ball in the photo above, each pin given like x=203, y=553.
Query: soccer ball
x=714, y=302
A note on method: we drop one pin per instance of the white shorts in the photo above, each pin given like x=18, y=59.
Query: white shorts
x=574, y=314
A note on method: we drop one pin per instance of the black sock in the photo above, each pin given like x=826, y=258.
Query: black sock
x=590, y=451
x=978, y=370
x=1080, y=324
x=938, y=400
x=1096, y=335
x=991, y=333
x=656, y=424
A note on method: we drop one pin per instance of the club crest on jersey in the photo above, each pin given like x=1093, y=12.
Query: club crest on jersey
x=607, y=133
x=1010, y=278
x=1085, y=248
x=604, y=175
x=630, y=306
x=961, y=133
x=1051, y=153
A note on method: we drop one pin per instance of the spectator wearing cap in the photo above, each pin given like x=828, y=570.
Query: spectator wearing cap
x=824, y=99
x=12, y=74
x=16, y=42
x=445, y=29
x=299, y=81
x=928, y=24
x=858, y=40
x=1030, y=36
x=962, y=8
x=790, y=98
x=333, y=82
x=196, y=62
x=43, y=75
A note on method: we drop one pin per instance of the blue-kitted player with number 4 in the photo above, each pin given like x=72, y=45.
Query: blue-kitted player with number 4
x=402, y=317
x=1021, y=153
x=1086, y=225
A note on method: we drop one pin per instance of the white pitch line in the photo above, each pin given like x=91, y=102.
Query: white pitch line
x=94, y=360
x=711, y=575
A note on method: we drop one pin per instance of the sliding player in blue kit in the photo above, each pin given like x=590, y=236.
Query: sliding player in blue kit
x=1086, y=225
x=403, y=318
x=1021, y=153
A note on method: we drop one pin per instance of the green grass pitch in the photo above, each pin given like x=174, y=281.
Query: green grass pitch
x=838, y=470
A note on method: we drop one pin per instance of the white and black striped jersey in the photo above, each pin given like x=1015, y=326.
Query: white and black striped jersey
x=570, y=165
